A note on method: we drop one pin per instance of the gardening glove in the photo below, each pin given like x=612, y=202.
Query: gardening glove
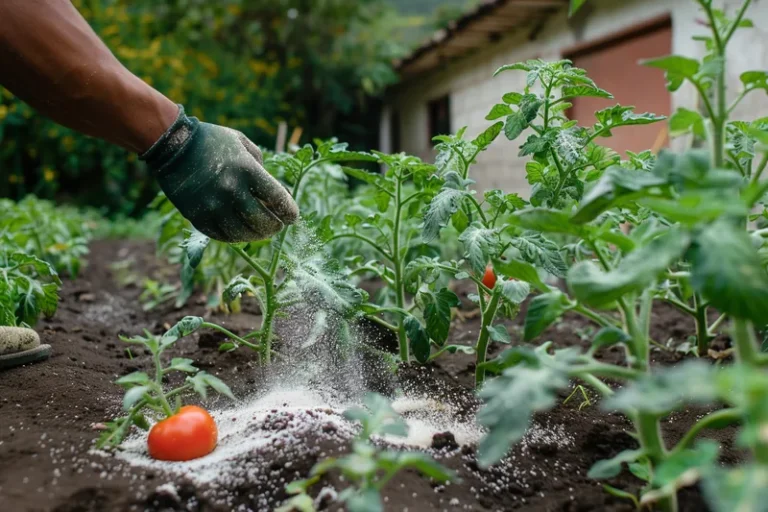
x=216, y=179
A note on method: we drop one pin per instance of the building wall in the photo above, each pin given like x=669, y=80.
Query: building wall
x=473, y=90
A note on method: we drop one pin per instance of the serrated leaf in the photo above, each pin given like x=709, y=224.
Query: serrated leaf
x=437, y=313
x=444, y=205
x=543, y=310
x=685, y=121
x=541, y=252
x=419, y=339
x=637, y=270
x=194, y=246
x=618, y=115
x=677, y=69
x=577, y=91
x=489, y=135
x=217, y=385
x=515, y=291
x=697, y=207
x=499, y=333
x=184, y=327
x=481, y=245
x=617, y=186
x=182, y=364
x=498, y=111
x=691, y=382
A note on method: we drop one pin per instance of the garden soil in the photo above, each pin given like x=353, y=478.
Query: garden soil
x=50, y=415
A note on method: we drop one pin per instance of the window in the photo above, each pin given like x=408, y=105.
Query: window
x=439, y=117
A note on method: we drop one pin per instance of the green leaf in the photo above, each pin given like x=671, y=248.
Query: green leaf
x=218, y=385
x=697, y=207
x=419, y=338
x=691, y=382
x=133, y=395
x=636, y=271
x=489, y=135
x=512, y=98
x=570, y=144
x=498, y=111
x=519, y=121
x=366, y=500
x=512, y=398
x=376, y=179
x=543, y=310
x=618, y=493
x=675, y=467
x=755, y=80
x=608, y=336
x=677, y=69
x=617, y=116
x=182, y=364
x=574, y=91
x=548, y=221
x=515, y=291
x=610, y=468
x=534, y=172
x=520, y=270
x=481, y=245
x=236, y=287
x=194, y=246
x=425, y=465
x=537, y=144
x=728, y=272
x=184, y=327
x=437, y=313
x=541, y=252
x=499, y=333
x=744, y=488
x=135, y=378
x=685, y=121
x=444, y=205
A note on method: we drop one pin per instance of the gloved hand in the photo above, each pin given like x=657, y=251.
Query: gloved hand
x=215, y=177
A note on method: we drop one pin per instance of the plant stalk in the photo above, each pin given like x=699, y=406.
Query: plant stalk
x=702, y=329
x=488, y=314
x=402, y=339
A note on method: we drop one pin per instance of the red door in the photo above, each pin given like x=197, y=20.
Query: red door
x=613, y=65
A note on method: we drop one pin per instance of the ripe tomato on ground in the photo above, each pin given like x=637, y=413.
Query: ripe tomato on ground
x=187, y=435
x=489, y=279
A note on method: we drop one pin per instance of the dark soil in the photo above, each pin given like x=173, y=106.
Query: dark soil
x=48, y=412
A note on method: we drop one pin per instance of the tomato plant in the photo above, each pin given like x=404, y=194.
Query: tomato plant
x=368, y=468
x=184, y=432
x=689, y=243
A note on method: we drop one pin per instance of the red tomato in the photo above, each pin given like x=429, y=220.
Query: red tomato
x=187, y=435
x=489, y=279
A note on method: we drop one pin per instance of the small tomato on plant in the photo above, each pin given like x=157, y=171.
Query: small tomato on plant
x=489, y=279
x=189, y=434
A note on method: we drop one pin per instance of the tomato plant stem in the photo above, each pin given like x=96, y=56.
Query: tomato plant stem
x=702, y=330
x=488, y=314
x=711, y=419
x=651, y=441
x=402, y=339
x=744, y=342
x=238, y=339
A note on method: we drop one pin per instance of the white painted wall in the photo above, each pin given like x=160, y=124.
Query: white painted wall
x=473, y=90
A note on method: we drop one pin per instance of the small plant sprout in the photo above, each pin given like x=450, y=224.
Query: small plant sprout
x=145, y=393
x=368, y=468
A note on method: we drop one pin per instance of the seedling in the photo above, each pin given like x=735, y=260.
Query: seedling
x=368, y=468
x=147, y=394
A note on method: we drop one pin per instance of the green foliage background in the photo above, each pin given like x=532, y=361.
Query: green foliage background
x=247, y=64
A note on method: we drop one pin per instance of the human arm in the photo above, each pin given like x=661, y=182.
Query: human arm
x=52, y=59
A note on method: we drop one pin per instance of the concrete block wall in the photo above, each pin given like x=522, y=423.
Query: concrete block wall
x=473, y=90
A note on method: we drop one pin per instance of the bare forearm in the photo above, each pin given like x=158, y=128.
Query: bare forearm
x=52, y=59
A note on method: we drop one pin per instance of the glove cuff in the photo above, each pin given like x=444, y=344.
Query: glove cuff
x=172, y=142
